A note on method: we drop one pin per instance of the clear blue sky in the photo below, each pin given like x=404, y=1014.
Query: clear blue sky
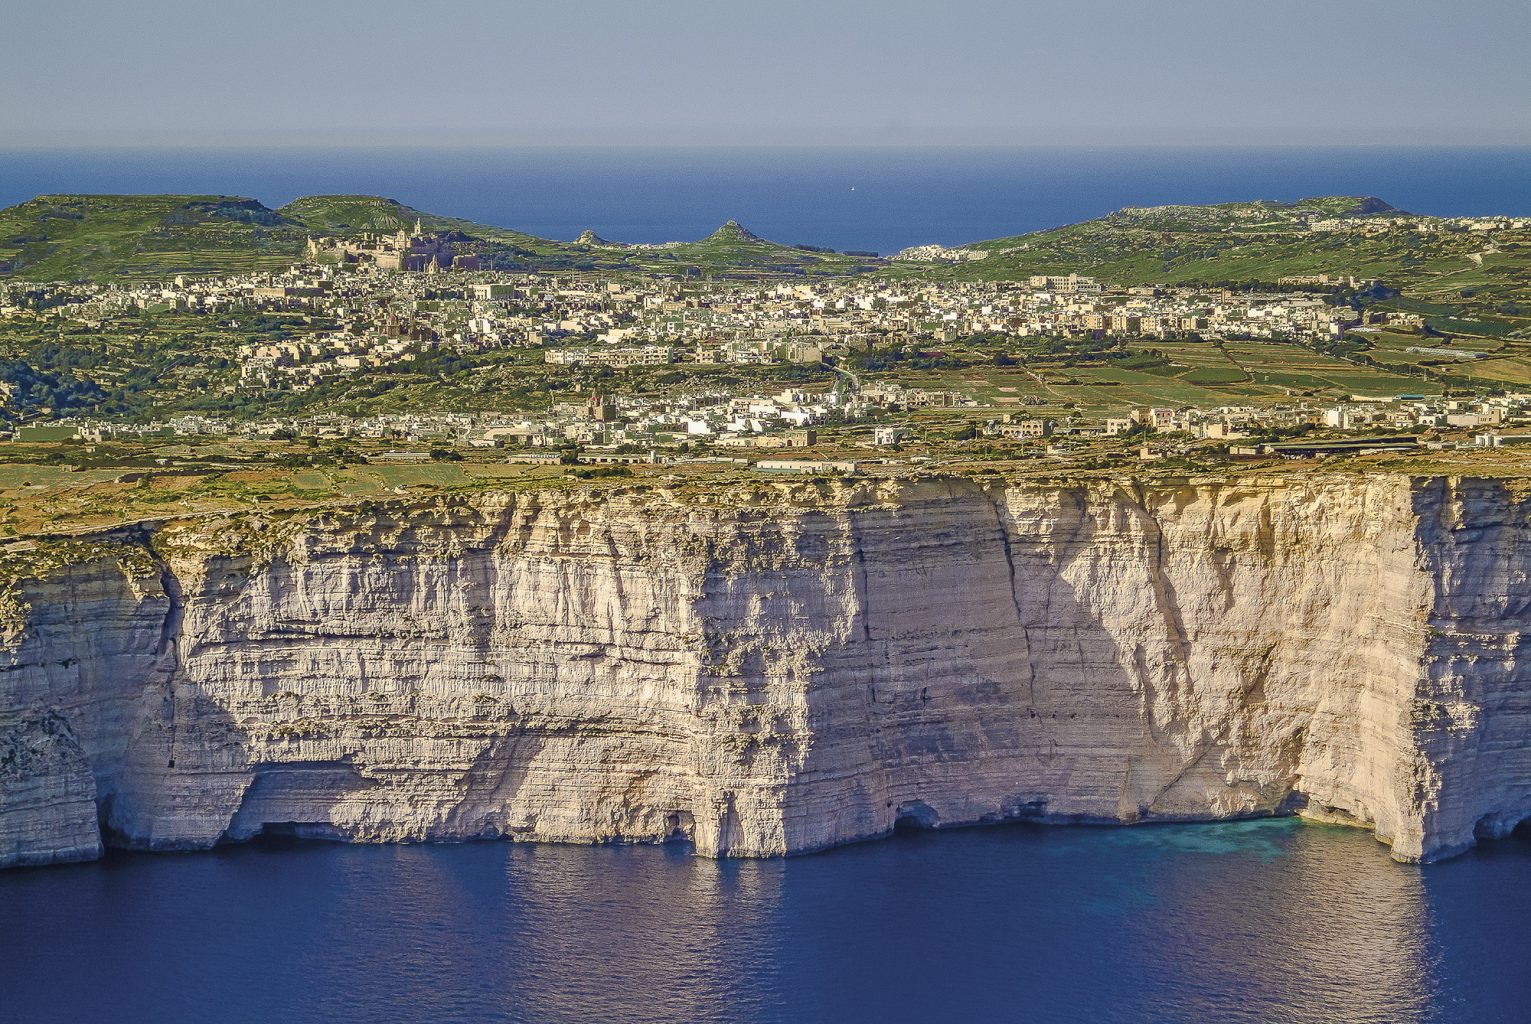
x=809, y=72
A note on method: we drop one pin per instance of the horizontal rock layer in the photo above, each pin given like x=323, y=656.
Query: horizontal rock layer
x=779, y=670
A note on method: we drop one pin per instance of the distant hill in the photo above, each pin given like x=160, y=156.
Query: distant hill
x=733, y=247
x=734, y=233
x=1256, y=218
x=1257, y=242
x=69, y=237
x=146, y=237
x=127, y=237
x=353, y=215
x=138, y=237
x=1258, y=215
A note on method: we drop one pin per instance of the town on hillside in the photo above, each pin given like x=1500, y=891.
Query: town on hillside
x=646, y=368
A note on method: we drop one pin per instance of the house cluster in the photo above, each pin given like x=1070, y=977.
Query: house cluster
x=604, y=424
x=1493, y=418
x=719, y=425
x=338, y=321
x=361, y=321
x=1419, y=225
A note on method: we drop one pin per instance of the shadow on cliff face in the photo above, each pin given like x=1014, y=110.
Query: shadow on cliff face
x=99, y=650
x=1111, y=653
x=1011, y=659
x=184, y=772
x=1472, y=717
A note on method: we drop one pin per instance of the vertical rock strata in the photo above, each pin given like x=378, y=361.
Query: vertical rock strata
x=777, y=670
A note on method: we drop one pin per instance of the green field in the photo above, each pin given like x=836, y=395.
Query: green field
x=1175, y=373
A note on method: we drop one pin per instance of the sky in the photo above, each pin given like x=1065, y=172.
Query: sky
x=335, y=73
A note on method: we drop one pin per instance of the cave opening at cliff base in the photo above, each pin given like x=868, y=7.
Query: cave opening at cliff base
x=914, y=816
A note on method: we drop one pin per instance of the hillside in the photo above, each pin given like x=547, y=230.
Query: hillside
x=358, y=214
x=145, y=237
x=732, y=248
x=138, y=237
x=104, y=237
x=1260, y=215
x=354, y=214
x=1261, y=242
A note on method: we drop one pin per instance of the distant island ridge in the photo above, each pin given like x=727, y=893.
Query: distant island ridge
x=105, y=237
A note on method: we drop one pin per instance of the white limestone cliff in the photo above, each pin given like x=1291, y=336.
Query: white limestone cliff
x=777, y=670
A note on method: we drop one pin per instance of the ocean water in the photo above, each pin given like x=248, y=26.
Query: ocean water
x=1271, y=921
x=870, y=199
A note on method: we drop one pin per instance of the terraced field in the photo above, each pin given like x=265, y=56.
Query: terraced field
x=1175, y=373
x=78, y=237
x=1301, y=370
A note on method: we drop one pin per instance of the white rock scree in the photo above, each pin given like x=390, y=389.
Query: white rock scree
x=777, y=669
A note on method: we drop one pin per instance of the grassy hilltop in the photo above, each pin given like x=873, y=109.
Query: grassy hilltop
x=1262, y=242
x=353, y=215
x=88, y=237
x=144, y=237
x=147, y=237
x=127, y=237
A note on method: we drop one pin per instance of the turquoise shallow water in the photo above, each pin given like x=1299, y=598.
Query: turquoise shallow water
x=1271, y=921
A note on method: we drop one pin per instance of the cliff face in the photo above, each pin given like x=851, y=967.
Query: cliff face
x=802, y=668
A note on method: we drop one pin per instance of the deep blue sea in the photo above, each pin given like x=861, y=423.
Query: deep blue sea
x=871, y=199
x=1273, y=921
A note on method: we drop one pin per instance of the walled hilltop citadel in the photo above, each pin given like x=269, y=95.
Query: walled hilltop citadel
x=416, y=250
